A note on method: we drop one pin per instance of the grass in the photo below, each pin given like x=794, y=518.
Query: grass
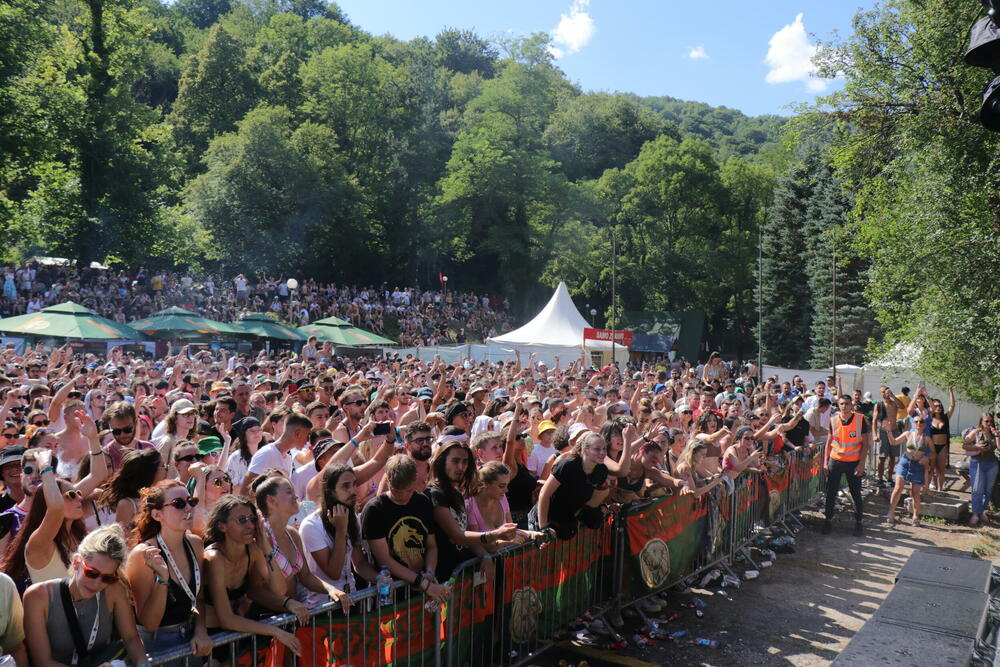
x=988, y=543
x=936, y=520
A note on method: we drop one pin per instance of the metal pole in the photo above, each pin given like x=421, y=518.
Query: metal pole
x=833, y=331
x=760, y=303
x=614, y=272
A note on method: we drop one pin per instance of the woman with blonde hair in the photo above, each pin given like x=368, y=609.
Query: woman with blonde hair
x=72, y=619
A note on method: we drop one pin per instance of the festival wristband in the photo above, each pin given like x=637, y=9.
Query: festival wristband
x=354, y=442
x=45, y=470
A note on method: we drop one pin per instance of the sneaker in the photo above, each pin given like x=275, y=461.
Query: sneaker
x=858, y=529
x=827, y=527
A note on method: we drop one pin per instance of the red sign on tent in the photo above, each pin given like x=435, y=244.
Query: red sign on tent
x=608, y=335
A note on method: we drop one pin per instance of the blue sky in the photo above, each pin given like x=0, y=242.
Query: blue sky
x=752, y=56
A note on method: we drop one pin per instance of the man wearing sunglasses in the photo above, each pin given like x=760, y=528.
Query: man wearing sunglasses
x=10, y=473
x=122, y=423
x=353, y=403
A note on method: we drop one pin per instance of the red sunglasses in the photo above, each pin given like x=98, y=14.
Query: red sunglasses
x=94, y=573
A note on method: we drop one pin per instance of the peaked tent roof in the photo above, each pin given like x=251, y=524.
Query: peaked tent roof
x=68, y=320
x=340, y=332
x=175, y=322
x=263, y=326
x=559, y=324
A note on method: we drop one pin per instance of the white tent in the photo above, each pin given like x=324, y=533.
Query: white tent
x=556, y=330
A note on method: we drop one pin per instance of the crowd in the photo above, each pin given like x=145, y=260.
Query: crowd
x=424, y=317
x=226, y=489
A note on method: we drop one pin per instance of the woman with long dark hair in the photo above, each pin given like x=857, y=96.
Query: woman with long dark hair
x=249, y=438
x=236, y=568
x=331, y=536
x=51, y=531
x=452, y=479
x=164, y=572
x=139, y=469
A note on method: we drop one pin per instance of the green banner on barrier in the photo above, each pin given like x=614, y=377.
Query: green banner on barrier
x=664, y=539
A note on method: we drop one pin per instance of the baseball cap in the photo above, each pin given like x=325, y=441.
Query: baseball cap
x=425, y=392
x=183, y=406
x=501, y=393
x=11, y=454
x=323, y=446
x=209, y=445
x=455, y=410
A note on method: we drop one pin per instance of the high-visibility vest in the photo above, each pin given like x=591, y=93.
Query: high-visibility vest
x=845, y=440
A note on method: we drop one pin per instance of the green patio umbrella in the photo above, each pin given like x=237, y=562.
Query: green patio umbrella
x=68, y=320
x=263, y=326
x=340, y=332
x=177, y=322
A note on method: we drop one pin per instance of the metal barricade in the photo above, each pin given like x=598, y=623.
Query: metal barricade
x=513, y=613
x=535, y=590
x=363, y=634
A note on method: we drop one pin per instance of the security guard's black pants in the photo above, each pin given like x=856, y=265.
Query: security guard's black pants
x=838, y=468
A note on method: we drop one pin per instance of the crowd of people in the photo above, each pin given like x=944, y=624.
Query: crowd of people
x=423, y=317
x=226, y=489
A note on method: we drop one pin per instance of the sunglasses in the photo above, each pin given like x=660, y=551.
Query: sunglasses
x=72, y=494
x=244, y=520
x=190, y=458
x=97, y=397
x=182, y=503
x=119, y=431
x=10, y=436
x=28, y=469
x=360, y=401
x=196, y=385
x=41, y=422
x=94, y=573
x=219, y=481
x=18, y=409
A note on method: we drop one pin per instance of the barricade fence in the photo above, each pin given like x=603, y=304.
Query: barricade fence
x=511, y=609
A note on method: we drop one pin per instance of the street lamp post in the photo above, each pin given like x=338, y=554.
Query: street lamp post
x=593, y=316
x=444, y=280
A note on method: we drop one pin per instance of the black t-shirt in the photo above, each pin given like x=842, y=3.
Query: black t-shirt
x=404, y=527
x=797, y=434
x=520, y=490
x=6, y=502
x=575, y=488
x=450, y=555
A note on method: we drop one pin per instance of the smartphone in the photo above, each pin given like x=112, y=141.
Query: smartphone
x=382, y=428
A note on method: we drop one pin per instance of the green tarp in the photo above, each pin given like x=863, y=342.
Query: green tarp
x=68, y=320
x=177, y=322
x=263, y=326
x=340, y=332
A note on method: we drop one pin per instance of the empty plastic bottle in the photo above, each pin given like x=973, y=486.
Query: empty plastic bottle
x=710, y=643
x=431, y=605
x=679, y=634
x=384, y=583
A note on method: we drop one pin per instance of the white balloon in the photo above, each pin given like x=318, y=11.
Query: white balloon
x=292, y=283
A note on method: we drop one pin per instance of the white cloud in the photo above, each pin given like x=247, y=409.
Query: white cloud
x=789, y=57
x=698, y=53
x=574, y=30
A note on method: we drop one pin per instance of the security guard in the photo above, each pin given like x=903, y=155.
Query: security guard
x=846, y=452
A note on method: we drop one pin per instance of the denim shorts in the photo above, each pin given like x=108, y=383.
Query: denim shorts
x=167, y=639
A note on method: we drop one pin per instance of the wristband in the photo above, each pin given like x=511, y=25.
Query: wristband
x=157, y=579
x=284, y=605
x=45, y=470
x=354, y=442
x=417, y=581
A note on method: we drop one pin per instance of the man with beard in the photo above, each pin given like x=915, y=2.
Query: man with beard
x=418, y=441
x=353, y=403
x=10, y=474
x=121, y=421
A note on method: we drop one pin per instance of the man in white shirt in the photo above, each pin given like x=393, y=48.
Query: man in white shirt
x=278, y=453
x=819, y=421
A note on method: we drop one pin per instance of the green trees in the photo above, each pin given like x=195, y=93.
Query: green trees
x=926, y=214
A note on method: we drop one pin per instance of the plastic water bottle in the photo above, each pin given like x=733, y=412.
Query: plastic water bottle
x=710, y=643
x=384, y=583
x=431, y=605
x=679, y=634
x=765, y=563
x=699, y=603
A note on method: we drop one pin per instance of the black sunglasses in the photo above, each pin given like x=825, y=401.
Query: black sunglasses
x=41, y=422
x=190, y=458
x=360, y=401
x=10, y=436
x=243, y=520
x=182, y=503
x=119, y=431
x=18, y=409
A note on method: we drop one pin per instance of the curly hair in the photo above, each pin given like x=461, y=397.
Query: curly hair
x=151, y=498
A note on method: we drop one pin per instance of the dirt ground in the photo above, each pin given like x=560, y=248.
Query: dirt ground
x=807, y=607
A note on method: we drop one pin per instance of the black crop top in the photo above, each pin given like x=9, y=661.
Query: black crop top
x=179, y=607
